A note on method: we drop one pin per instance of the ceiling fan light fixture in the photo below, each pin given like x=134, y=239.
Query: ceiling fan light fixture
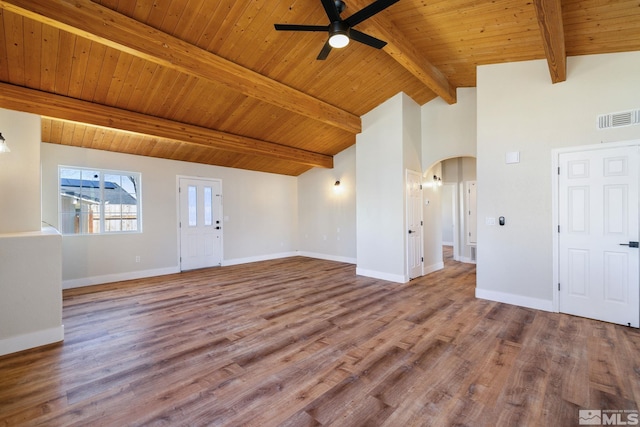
x=339, y=35
x=338, y=40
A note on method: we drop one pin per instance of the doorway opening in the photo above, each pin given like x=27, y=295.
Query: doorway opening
x=200, y=222
x=452, y=198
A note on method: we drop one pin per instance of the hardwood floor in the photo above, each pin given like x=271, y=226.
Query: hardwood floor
x=302, y=342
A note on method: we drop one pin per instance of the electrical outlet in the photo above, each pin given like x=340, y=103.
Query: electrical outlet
x=137, y=258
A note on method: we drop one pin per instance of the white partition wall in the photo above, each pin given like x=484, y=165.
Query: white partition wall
x=30, y=256
x=388, y=145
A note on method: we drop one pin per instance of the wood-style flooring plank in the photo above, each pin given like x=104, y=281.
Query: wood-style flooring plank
x=306, y=342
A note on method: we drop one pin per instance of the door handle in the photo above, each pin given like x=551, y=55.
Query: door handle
x=631, y=244
x=410, y=231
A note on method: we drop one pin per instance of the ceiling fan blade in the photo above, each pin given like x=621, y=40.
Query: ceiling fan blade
x=324, y=52
x=369, y=11
x=295, y=27
x=367, y=39
x=331, y=10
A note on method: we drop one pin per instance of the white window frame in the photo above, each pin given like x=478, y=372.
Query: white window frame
x=64, y=222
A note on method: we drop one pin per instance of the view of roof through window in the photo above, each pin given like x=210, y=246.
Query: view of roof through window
x=94, y=201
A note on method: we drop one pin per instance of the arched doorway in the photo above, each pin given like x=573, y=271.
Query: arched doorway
x=450, y=215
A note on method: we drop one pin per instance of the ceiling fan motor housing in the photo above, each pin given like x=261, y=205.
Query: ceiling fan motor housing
x=339, y=27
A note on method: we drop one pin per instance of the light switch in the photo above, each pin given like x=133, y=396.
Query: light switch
x=490, y=221
x=512, y=157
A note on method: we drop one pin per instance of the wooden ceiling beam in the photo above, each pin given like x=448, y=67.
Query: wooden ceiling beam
x=400, y=49
x=405, y=54
x=549, y=13
x=71, y=109
x=100, y=24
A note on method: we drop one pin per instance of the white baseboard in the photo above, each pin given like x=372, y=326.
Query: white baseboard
x=519, y=300
x=31, y=340
x=316, y=255
x=434, y=267
x=447, y=243
x=118, y=277
x=258, y=258
x=466, y=260
x=397, y=278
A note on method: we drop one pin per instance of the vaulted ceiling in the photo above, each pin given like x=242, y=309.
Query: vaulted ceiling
x=212, y=81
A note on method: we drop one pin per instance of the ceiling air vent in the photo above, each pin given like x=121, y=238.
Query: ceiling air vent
x=615, y=120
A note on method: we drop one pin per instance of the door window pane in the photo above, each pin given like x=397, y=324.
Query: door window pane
x=208, y=202
x=193, y=206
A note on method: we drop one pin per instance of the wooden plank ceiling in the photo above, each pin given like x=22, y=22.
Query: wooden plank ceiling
x=214, y=83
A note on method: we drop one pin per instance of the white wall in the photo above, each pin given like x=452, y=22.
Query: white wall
x=20, y=172
x=447, y=198
x=412, y=152
x=520, y=110
x=30, y=257
x=260, y=213
x=411, y=134
x=30, y=290
x=449, y=130
x=380, y=193
x=432, y=215
x=327, y=214
x=388, y=145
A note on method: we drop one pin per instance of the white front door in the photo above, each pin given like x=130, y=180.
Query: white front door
x=200, y=223
x=597, y=242
x=414, y=224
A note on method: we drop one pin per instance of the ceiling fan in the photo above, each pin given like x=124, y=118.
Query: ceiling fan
x=340, y=30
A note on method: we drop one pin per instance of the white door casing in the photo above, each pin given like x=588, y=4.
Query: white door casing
x=414, y=224
x=200, y=223
x=471, y=214
x=598, y=268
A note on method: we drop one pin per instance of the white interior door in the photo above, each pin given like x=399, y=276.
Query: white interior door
x=414, y=224
x=200, y=223
x=598, y=217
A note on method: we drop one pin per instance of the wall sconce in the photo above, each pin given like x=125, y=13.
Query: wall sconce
x=336, y=187
x=437, y=181
x=4, y=148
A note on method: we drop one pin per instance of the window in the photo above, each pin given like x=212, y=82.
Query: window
x=94, y=201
